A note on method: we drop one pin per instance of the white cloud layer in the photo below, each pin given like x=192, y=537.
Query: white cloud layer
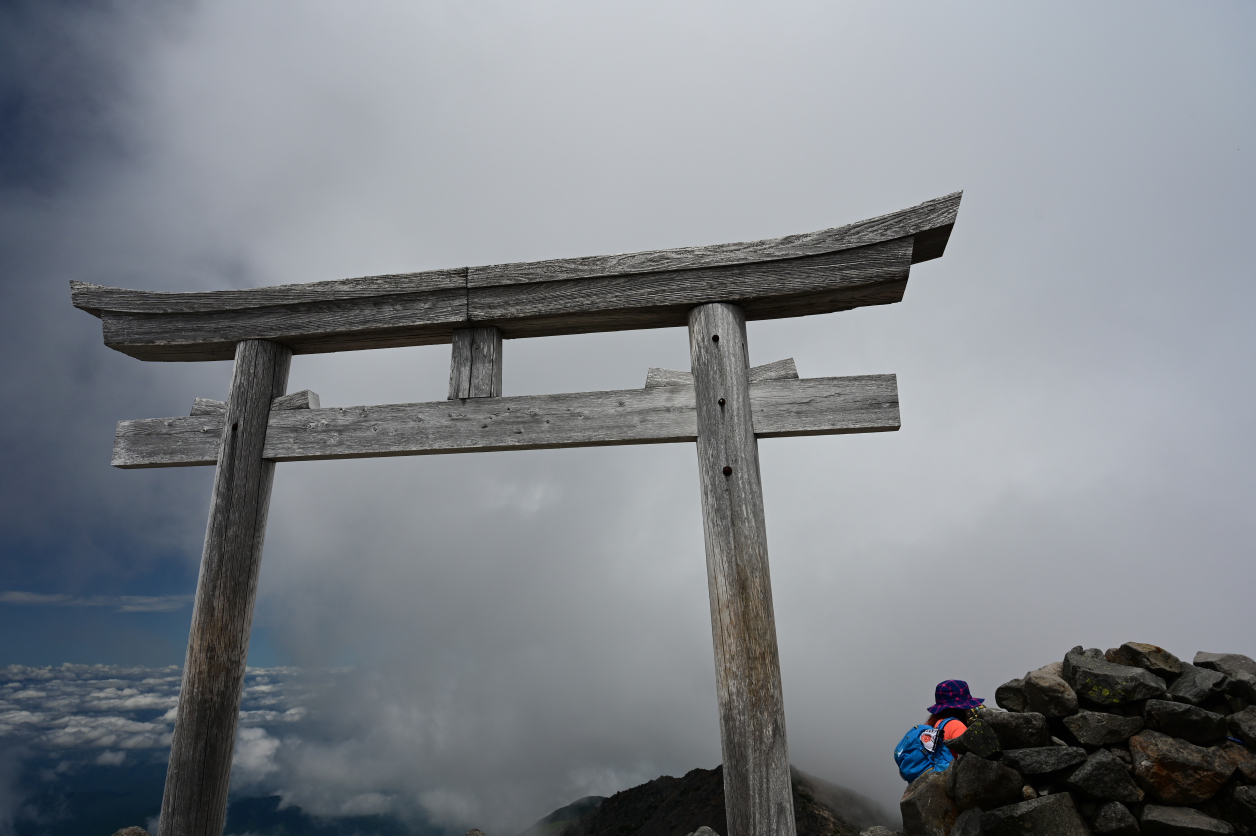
x=122, y=603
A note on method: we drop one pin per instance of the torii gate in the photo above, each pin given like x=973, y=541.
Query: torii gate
x=723, y=405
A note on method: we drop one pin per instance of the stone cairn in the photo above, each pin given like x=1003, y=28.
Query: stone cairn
x=1125, y=742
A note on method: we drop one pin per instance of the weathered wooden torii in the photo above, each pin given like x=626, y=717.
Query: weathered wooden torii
x=722, y=404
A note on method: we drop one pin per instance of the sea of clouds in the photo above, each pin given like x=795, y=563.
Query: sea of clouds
x=337, y=744
x=56, y=722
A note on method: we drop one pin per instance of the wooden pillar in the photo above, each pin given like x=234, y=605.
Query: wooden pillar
x=475, y=370
x=757, y=792
x=195, y=801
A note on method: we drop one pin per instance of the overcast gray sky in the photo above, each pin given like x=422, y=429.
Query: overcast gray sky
x=1076, y=459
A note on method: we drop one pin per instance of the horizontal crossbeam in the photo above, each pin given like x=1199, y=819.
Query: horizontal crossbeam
x=657, y=414
x=865, y=263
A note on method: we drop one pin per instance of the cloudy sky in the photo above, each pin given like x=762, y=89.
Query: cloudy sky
x=1076, y=463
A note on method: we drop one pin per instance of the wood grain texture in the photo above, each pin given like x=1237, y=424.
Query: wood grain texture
x=94, y=297
x=195, y=799
x=207, y=406
x=757, y=792
x=873, y=275
x=475, y=366
x=667, y=377
x=780, y=370
x=307, y=328
x=305, y=399
x=931, y=215
x=860, y=264
x=658, y=415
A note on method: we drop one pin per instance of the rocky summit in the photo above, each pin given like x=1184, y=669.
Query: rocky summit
x=1120, y=743
x=693, y=805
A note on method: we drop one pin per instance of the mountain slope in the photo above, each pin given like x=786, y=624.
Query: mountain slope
x=670, y=806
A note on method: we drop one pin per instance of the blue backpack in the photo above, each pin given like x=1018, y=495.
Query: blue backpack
x=921, y=750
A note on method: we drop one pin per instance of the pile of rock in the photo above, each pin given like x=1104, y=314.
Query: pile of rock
x=1119, y=743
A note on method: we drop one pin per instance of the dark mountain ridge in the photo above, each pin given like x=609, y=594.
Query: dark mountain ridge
x=670, y=806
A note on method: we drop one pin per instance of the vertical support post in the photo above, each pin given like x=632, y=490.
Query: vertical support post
x=195, y=800
x=475, y=368
x=757, y=792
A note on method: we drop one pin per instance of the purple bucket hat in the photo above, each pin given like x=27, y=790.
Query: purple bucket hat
x=953, y=693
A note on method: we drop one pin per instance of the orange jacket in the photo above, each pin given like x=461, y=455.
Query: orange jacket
x=953, y=729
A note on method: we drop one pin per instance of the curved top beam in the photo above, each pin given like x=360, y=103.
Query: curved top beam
x=864, y=263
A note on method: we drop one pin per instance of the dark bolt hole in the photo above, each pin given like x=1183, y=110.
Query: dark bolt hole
x=728, y=471
x=235, y=426
x=715, y=338
x=721, y=401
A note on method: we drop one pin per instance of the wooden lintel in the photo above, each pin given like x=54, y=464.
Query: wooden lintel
x=865, y=263
x=657, y=415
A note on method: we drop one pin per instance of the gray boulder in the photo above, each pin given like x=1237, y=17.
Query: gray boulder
x=1189, y=722
x=1022, y=730
x=1103, y=683
x=1242, y=688
x=1242, y=758
x=1243, y=725
x=1049, y=695
x=979, y=739
x=880, y=831
x=1011, y=695
x=1098, y=728
x=1236, y=805
x=976, y=782
x=927, y=809
x=1050, y=814
x=1149, y=657
x=1055, y=668
x=1226, y=663
x=968, y=823
x=1115, y=819
x=131, y=831
x=1043, y=759
x=1104, y=777
x=1242, y=685
x=1198, y=685
x=1180, y=821
x=1176, y=772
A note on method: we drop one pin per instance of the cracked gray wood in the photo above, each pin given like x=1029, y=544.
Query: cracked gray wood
x=780, y=370
x=757, y=792
x=305, y=399
x=865, y=263
x=872, y=275
x=195, y=799
x=475, y=365
x=658, y=415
